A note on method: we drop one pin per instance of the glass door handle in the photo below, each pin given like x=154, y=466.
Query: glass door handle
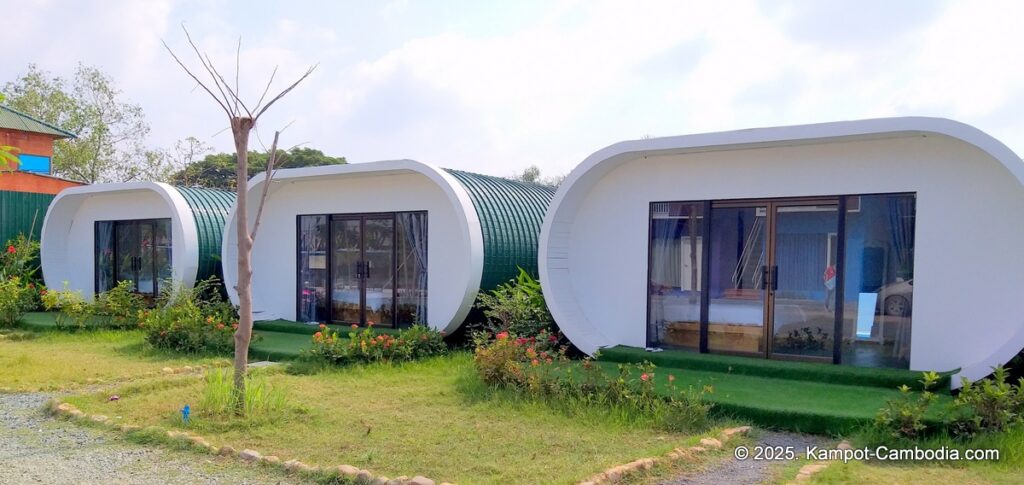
x=765, y=276
x=775, y=277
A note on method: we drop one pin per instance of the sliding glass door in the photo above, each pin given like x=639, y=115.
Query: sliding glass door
x=736, y=309
x=803, y=270
x=138, y=251
x=373, y=269
x=824, y=278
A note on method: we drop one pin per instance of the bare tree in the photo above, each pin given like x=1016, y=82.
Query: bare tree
x=242, y=121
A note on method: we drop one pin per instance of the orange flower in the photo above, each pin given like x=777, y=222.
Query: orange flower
x=318, y=336
x=234, y=326
x=220, y=326
x=644, y=377
x=354, y=326
x=502, y=336
x=535, y=362
x=671, y=378
x=209, y=319
x=322, y=326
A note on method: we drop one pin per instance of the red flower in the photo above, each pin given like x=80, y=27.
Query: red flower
x=234, y=326
x=322, y=326
x=502, y=336
x=318, y=335
x=220, y=326
x=42, y=292
x=520, y=341
x=354, y=326
x=11, y=249
x=535, y=362
x=644, y=377
x=30, y=285
x=553, y=338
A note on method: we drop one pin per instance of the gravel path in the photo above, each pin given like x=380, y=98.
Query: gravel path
x=749, y=471
x=36, y=449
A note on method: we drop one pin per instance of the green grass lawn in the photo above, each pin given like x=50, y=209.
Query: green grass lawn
x=1009, y=469
x=56, y=360
x=796, y=405
x=433, y=418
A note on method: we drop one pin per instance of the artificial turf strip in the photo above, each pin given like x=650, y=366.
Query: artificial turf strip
x=278, y=345
x=795, y=405
x=288, y=326
x=789, y=370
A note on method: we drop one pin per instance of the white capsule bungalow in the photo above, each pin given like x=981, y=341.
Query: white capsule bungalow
x=392, y=242
x=885, y=243
x=148, y=233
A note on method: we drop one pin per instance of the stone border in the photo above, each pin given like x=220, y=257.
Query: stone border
x=616, y=473
x=354, y=474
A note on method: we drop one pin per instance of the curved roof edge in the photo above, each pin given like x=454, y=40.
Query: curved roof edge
x=186, y=259
x=455, y=191
x=511, y=214
x=210, y=208
x=596, y=165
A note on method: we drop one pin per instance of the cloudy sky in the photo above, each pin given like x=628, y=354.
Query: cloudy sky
x=497, y=86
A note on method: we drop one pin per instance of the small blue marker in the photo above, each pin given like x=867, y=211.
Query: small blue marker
x=185, y=412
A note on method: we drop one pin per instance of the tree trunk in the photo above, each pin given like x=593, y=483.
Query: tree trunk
x=240, y=128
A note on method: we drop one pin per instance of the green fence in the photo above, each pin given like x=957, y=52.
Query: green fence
x=22, y=212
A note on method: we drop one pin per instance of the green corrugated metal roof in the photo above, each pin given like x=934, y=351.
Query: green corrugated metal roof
x=210, y=208
x=22, y=212
x=511, y=214
x=16, y=120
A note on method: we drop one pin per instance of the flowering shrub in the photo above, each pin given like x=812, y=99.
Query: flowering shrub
x=21, y=259
x=367, y=345
x=191, y=320
x=537, y=367
x=16, y=298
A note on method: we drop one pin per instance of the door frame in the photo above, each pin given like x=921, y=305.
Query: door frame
x=136, y=266
x=329, y=250
x=771, y=206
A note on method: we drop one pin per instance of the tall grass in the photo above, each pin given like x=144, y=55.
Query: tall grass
x=261, y=399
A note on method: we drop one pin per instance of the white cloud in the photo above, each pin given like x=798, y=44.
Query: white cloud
x=548, y=83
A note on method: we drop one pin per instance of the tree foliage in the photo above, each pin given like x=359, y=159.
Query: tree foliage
x=217, y=170
x=112, y=131
x=532, y=175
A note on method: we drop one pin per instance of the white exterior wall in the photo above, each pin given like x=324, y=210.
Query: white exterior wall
x=67, y=250
x=968, y=268
x=454, y=247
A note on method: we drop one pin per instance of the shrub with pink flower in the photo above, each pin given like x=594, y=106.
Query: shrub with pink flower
x=367, y=345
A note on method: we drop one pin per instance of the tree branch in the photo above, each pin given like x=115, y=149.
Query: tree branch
x=209, y=70
x=271, y=171
x=196, y=79
x=288, y=89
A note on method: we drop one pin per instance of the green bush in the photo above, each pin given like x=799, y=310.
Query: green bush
x=74, y=312
x=991, y=405
x=16, y=298
x=367, y=346
x=120, y=306
x=517, y=306
x=538, y=368
x=904, y=417
x=191, y=320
